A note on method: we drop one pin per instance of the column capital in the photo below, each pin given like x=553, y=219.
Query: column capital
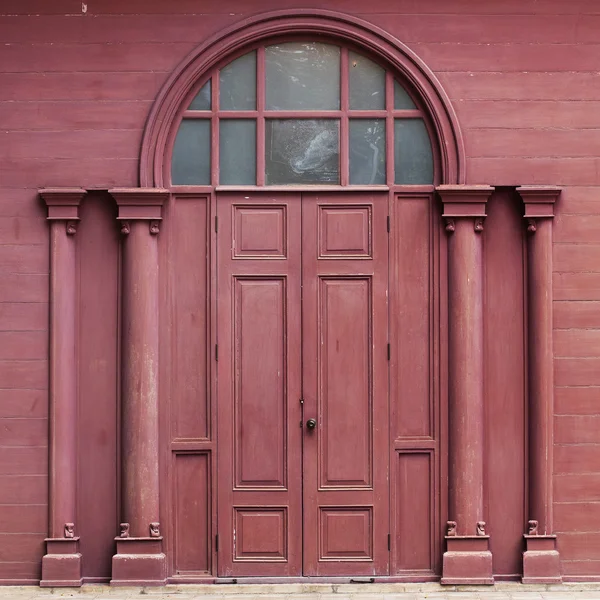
x=139, y=203
x=464, y=200
x=539, y=200
x=63, y=203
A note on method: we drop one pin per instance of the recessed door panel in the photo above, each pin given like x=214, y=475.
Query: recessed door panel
x=345, y=384
x=345, y=330
x=260, y=395
x=258, y=386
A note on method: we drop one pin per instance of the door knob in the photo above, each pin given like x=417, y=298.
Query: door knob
x=311, y=424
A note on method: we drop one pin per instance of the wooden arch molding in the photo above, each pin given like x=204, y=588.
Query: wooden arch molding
x=343, y=28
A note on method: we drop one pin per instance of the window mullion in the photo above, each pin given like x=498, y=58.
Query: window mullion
x=389, y=128
x=260, y=120
x=214, y=129
x=344, y=124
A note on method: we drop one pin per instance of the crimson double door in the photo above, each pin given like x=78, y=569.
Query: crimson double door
x=302, y=379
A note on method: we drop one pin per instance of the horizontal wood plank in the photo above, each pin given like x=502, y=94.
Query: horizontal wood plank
x=23, y=403
x=576, y=286
x=23, y=432
x=578, y=487
x=24, y=316
x=576, y=516
x=24, y=374
x=23, y=460
x=577, y=400
x=578, y=458
x=576, y=371
x=577, y=343
x=579, y=546
x=23, y=489
x=31, y=258
x=21, y=547
x=81, y=86
x=24, y=519
x=68, y=116
x=580, y=429
x=500, y=85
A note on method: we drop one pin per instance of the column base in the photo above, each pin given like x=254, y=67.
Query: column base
x=467, y=561
x=61, y=565
x=541, y=560
x=139, y=561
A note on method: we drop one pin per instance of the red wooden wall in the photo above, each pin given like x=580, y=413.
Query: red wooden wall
x=76, y=83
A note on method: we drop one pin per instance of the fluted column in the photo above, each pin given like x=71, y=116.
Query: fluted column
x=61, y=565
x=140, y=558
x=467, y=558
x=541, y=562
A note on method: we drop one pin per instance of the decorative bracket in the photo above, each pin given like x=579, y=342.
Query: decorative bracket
x=154, y=530
x=464, y=201
x=140, y=204
x=531, y=226
x=69, y=530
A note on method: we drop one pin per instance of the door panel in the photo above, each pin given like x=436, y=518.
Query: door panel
x=345, y=384
x=259, y=385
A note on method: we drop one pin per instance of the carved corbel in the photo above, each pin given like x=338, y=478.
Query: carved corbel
x=478, y=227
x=69, y=530
x=533, y=528
x=154, y=529
x=154, y=227
x=450, y=225
x=531, y=226
x=124, y=530
x=125, y=228
x=71, y=227
x=451, y=528
x=480, y=528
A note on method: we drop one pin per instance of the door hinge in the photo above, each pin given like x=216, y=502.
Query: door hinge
x=217, y=352
x=216, y=224
x=389, y=351
x=217, y=542
x=388, y=223
x=389, y=542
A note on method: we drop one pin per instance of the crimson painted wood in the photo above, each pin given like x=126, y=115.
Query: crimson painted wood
x=345, y=332
x=90, y=98
x=61, y=566
x=259, y=379
x=541, y=563
x=139, y=556
x=467, y=558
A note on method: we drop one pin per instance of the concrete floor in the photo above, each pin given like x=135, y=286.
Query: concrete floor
x=429, y=591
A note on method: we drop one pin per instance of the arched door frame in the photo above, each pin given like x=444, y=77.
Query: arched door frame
x=344, y=29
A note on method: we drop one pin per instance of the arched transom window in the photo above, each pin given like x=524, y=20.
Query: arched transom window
x=302, y=113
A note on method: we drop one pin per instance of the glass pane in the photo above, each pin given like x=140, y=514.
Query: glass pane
x=367, y=83
x=412, y=152
x=190, y=164
x=237, y=84
x=302, y=151
x=367, y=151
x=302, y=76
x=237, y=152
x=202, y=101
x=402, y=101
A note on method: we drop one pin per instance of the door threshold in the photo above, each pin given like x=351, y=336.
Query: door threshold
x=266, y=580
